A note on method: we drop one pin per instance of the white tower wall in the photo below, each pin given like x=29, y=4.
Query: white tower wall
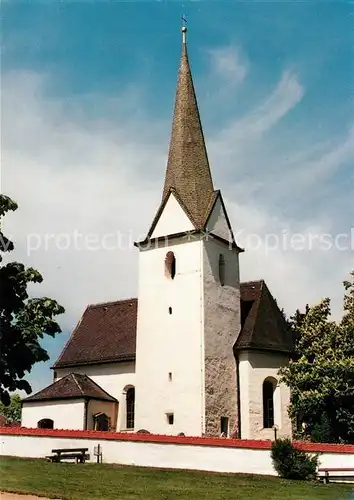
x=170, y=346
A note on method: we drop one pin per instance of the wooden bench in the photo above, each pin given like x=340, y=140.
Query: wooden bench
x=79, y=454
x=327, y=476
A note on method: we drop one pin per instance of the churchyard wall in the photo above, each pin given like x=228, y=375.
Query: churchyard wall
x=176, y=452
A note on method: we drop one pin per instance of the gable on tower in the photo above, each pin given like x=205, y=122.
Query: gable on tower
x=171, y=218
x=217, y=222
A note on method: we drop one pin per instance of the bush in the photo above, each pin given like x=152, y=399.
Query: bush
x=291, y=463
x=321, y=432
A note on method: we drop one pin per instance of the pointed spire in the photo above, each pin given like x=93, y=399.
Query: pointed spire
x=188, y=171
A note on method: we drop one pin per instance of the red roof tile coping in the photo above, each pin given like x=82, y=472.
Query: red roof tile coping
x=163, y=439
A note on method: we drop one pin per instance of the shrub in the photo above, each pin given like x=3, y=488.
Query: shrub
x=291, y=463
x=321, y=432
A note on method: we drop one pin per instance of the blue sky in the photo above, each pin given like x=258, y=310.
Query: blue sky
x=87, y=97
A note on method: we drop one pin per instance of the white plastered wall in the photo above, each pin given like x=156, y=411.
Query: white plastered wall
x=162, y=455
x=173, y=219
x=67, y=414
x=170, y=343
x=254, y=368
x=217, y=222
x=114, y=378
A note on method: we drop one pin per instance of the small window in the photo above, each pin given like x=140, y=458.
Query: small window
x=170, y=418
x=222, y=269
x=224, y=426
x=101, y=422
x=170, y=310
x=46, y=423
x=170, y=265
x=170, y=376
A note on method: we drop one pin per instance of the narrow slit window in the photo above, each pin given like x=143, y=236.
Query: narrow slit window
x=224, y=426
x=170, y=310
x=130, y=404
x=170, y=418
x=222, y=269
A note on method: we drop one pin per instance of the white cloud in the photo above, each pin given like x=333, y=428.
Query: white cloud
x=322, y=166
x=229, y=63
x=67, y=176
x=285, y=96
x=70, y=173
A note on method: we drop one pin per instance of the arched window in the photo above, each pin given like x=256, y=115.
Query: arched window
x=268, y=403
x=222, y=269
x=170, y=265
x=130, y=399
x=45, y=423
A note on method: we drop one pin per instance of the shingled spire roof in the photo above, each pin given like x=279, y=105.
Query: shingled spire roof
x=188, y=172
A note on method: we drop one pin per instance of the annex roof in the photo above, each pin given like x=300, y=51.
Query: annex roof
x=72, y=386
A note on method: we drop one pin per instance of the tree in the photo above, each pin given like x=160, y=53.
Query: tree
x=23, y=321
x=12, y=412
x=322, y=378
x=297, y=319
x=295, y=322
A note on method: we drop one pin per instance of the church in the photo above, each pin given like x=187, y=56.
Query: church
x=197, y=353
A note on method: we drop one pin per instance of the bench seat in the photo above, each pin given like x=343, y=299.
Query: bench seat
x=345, y=473
x=79, y=454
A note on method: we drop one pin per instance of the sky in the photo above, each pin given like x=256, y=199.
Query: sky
x=87, y=95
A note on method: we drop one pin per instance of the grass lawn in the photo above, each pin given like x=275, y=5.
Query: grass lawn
x=111, y=482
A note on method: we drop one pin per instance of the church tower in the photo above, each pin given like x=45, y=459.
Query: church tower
x=189, y=291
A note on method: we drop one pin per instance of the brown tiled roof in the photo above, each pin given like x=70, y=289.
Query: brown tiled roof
x=262, y=323
x=72, y=386
x=106, y=333
x=188, y=171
